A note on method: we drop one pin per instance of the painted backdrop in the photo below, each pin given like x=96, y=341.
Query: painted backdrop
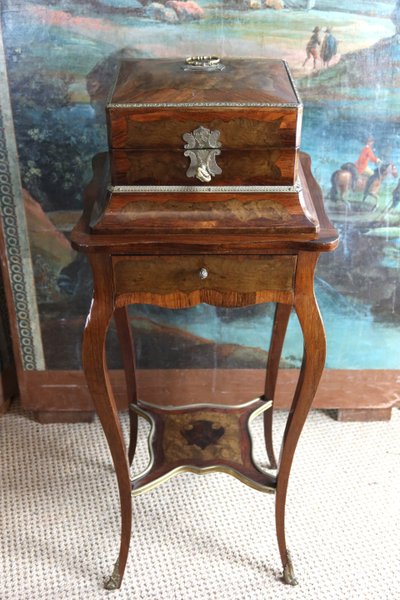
x=61, y=57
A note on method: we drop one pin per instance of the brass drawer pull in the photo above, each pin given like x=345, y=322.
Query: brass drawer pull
x=203, y=273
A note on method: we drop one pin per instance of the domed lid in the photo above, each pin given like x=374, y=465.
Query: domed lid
x=204, y=81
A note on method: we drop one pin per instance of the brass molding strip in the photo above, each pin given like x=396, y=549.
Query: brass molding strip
x=193, y=189
x=204, y=104
x=296, y=92
x=202, y=405
x=202, y=471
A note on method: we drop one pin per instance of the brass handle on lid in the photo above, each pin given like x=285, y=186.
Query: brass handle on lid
x=203, y=63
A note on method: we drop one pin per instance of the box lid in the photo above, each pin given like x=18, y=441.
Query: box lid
x=231, y=82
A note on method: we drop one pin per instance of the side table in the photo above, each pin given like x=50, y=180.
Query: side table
x=181, y=270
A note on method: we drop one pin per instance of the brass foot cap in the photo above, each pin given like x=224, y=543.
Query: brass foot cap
x=288, y=572
x=114, y=581
x=288, y=577
x=111, y=584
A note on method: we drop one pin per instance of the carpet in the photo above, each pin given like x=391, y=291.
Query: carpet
x=205, y=537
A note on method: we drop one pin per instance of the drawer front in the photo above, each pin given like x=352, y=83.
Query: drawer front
x=183, y=275
x=274, y=166
x=238, y=128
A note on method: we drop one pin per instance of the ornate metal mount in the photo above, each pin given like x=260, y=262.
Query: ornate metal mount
x=114, y=581
x=288, y=572
x=203, y=63
x=202, y=147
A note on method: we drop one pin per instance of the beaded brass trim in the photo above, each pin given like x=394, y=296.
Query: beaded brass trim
x=296, y=92
x=203, y=104
x=219, y=189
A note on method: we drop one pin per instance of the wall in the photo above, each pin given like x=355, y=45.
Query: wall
x=60, y=59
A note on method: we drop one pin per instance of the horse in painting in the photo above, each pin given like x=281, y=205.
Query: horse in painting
x=347, y=177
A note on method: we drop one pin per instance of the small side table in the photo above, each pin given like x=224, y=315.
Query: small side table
x=177, y=271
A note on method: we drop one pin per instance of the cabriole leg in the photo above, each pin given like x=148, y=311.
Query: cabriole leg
x=128, y=356
x=311, y=370
x=281, y=320
x=96, y=372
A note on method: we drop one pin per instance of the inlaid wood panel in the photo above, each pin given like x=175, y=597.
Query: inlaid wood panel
x=196, y=240
x=201, y=438
x=275, y=166
x=207, y=436
x=168, y=80
x=178, y=281
x=239, y=128
x=126, y=212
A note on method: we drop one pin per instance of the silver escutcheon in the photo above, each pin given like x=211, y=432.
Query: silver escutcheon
x=203, y=273
x=202, y=147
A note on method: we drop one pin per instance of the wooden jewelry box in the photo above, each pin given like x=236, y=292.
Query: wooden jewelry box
x=204, y=145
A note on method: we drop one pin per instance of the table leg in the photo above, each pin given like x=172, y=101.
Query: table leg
x=96, y=372
x=128, y=357
x=281, y=319
x=311, y=370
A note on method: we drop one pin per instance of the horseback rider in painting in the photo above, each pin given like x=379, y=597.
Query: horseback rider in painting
x=359, y=177
x=354, y=175
x=367, y=155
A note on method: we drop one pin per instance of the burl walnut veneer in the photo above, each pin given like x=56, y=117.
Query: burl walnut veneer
x=204, y=197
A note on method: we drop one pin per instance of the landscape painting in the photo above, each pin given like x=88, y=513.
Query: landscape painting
x=61, y=60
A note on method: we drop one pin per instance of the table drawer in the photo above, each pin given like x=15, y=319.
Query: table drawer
x=186, y=274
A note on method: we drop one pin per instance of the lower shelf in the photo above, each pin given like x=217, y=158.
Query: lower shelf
x=201, y=438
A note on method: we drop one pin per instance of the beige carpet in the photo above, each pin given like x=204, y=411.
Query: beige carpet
x=200, y=537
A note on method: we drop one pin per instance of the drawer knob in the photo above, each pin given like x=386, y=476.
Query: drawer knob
x=203, y=273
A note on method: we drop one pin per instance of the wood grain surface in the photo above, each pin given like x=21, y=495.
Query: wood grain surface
x=60, y=392
x=185, y=212
x=173, y=241
x=168, y=80
x=200, y=437
x=174, y=281
x=240, y=128
x=260, y=166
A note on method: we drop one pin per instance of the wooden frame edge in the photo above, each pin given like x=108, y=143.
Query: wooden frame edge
x=66, y=391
